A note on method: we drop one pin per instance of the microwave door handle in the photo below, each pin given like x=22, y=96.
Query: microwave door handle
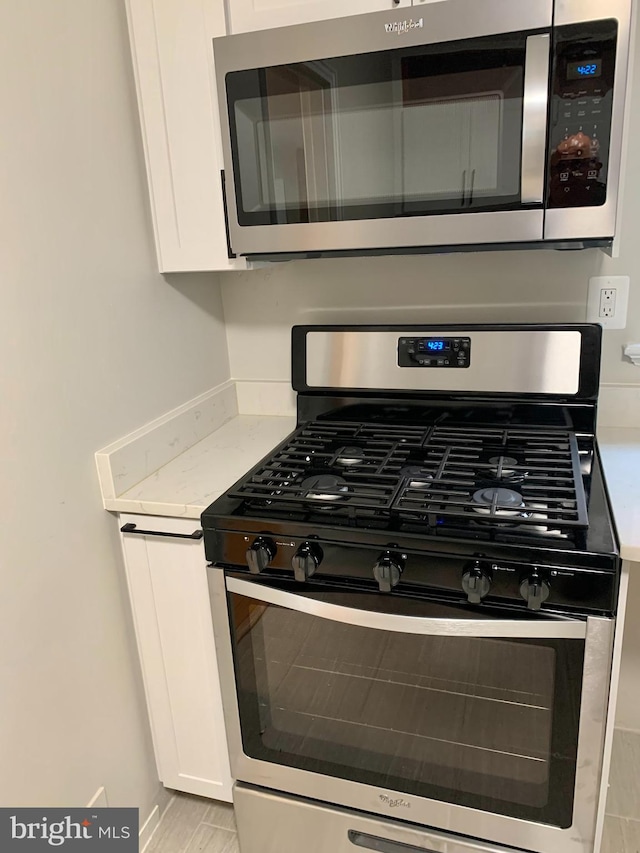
x=557, y=628
x=534, y=118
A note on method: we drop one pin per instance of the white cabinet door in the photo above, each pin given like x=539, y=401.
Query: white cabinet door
x=172, y=616
x=246, y=15
x=175, y=80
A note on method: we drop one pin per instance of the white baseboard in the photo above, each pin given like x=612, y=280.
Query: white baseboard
x=150, y=825
x=627, y=730
x=99, y=800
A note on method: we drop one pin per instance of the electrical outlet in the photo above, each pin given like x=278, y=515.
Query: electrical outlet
x=607, y=301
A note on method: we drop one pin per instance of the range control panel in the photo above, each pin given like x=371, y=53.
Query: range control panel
x=581, y=108
x=434, y=352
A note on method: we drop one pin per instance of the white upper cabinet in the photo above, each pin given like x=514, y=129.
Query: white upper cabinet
x=175, y=80
x=246, y=15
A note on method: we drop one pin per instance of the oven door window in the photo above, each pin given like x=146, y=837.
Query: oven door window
x=488, y=723
x=402, y=132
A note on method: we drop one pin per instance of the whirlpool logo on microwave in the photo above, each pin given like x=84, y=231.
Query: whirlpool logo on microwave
x=108, y=830
x=402, y=27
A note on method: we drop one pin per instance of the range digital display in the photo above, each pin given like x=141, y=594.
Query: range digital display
x=578, y=70
x=434, y=352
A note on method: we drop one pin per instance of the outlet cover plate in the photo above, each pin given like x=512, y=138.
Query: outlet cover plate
x=619, y=283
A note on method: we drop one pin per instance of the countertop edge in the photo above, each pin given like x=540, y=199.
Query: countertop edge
x=619, y=449
x=163, y=510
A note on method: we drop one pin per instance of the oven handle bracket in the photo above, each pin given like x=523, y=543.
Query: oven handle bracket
x=549, y=628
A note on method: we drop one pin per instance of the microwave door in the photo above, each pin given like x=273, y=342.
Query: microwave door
x=425, y=142
x=296, y=139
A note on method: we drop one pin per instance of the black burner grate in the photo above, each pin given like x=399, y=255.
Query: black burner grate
x=323, y=447
x=438, y=477
x=541, y=466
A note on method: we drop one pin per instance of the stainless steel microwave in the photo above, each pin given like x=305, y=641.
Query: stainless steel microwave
x=458, y=124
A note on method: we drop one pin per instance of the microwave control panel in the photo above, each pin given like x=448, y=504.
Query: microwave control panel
x=434, y=352
x=581, y=105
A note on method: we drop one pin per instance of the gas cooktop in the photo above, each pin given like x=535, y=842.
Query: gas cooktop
x=509, y=481
x=480, y=482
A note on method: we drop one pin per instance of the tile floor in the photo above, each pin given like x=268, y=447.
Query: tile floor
x=622, y=825
x=196, y=825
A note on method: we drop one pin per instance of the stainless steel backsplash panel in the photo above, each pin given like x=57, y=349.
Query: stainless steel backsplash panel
x=510, y=362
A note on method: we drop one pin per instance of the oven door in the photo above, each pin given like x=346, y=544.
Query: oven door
x=455, y=717
x=344, y=135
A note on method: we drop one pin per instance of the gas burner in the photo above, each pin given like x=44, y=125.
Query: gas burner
x=414, y=472
x=502, y=466
x=350, y=456
x=498, y=501
x=503, y=470
x=324, y=487
x=417, y=477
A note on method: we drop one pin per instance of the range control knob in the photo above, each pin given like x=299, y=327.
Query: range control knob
x=388, y=569
x=476, y=582
x=306, y=560
x=534, y=589
x=260, y=554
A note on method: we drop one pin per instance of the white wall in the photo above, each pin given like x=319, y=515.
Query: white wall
x=262, y=305
x=93, y=343
x=538, y=286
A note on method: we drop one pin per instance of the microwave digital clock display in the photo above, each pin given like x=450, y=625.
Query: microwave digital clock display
x=578, y=70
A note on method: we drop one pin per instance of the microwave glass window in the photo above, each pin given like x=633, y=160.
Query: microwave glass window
x=486, y=723
x=402, y=132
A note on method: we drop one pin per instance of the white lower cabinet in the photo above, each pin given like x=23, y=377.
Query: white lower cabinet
x=170, y=601
x=247, y=15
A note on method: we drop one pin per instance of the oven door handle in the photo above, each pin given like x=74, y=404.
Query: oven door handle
x=534, y=119
x=549, y=628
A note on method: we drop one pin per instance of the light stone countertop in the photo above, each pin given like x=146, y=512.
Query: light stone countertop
x=186, y=485
x=620, y=452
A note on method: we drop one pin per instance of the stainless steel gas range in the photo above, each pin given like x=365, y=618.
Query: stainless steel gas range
x=414, y=597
